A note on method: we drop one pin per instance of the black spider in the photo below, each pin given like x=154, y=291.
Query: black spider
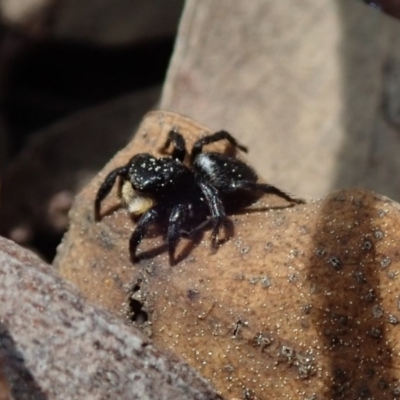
x=166, y=188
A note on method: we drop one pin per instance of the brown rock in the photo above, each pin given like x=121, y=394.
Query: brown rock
x=304, y=85
x=55, y=345
x=300, y=302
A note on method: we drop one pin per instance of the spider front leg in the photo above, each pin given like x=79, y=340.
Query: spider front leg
x=179, y=150
x=106, y=187
x=177, y=218
x=140, y=231
x=215, y=137
x=216, y=208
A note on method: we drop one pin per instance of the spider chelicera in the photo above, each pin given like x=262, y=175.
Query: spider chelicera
x=165, y=189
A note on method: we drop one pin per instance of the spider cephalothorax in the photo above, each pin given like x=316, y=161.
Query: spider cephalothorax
x=166, y=189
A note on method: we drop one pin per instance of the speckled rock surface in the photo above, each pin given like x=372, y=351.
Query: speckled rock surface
x=299, y=303
x=55, y=345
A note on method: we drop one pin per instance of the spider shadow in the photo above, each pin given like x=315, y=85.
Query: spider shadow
x=192, y=239
x=197, y=235
x=238, y=203
x=228, y=228
x=234, y=205
x=264, y=209
x=110, y=210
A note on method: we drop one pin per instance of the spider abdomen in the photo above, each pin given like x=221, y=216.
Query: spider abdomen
x=223, y=172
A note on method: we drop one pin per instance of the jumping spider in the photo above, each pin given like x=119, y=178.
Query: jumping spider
x=165, y=188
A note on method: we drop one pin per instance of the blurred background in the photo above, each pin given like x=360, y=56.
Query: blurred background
x=76, y=77
x=311, y=87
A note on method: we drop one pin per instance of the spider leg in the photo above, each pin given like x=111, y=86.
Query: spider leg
x=177, y=218
x=215, y=137
x=179, y=150
x=121, y=182
x=264, y=187
x=106, y=187
x=138, y=234
x=189, y=234
x=217, y=210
